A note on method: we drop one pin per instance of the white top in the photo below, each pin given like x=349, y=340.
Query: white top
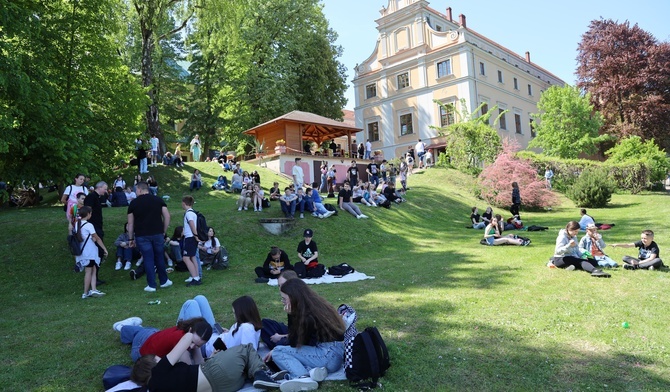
x=119, y=183
x=298, y=174
x=72, y=190
x=246, y=334
x=190, y=216
x=130, y=196
x=420, y=147
x=368, y=146
x=90, y=250
x=208, y=244
x=154, y=144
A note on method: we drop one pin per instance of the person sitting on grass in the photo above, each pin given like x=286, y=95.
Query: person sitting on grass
x=591, y=245
x=288, y=202
x=245, y=197
x=315, y=335
x=275, y=263
x=345, y=202
x=196, y=180
x=392, y=195
x=648, y=255
x=221, y=184
x=585, y=220
x=304, y=201
x=124, y=252
x=475, y=219
x=210, y=250
x=568, y=256
x=493, y=236
x=358, y=194
x=257, y=198
x=487, y=215
x=319, y=210
x=275, y=192
x=236, y=180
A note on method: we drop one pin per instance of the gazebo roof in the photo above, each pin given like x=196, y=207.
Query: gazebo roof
x=315, y=127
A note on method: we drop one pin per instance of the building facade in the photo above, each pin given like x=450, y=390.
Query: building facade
x=423, y=56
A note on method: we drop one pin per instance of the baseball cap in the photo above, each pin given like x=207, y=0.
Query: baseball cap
x=308, y=233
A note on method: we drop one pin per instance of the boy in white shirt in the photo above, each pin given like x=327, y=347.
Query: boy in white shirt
x=190, y=241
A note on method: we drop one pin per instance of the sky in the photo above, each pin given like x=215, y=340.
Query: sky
x=549, y=30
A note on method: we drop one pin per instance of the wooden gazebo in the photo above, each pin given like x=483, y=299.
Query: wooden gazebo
x=297, y=127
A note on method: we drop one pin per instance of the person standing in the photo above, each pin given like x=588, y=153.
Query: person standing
x=148, y=220
x=93, y=200
x=195, y=148
x=516, y=199
x=191, y=241
x=154, y=150
x=420, y=150
x=70, y=195
x=368, y=149
x=298, y=175
x=373, y=173
x=352, y=173
x=548, y=176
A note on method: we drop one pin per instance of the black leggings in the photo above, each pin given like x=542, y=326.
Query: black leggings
x=587, y=265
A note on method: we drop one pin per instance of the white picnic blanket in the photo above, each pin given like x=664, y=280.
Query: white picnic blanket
x=352, y=277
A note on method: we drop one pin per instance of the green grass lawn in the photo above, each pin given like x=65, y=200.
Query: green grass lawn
x=456, y=316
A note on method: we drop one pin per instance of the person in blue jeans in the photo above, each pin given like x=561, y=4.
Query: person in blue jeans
x=315, y=336
x=148, y=220
x=288, y=202
x=304, y=202
x=319, y=210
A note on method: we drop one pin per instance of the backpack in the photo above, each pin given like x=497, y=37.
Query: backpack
x=537, y=228
x=201, y=226
x=115, y=375
x=369, y=359
x=340, y=269
x=304, y=271
x=76, y=247
x=265, y=203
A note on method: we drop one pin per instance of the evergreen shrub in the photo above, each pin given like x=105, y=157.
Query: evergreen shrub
x=592, y=189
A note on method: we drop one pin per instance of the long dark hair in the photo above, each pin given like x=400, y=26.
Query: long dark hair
x=246, y=311
x=196, y=325
x=310, y=311
x=177, y=233
x=213, y=239
x=82, y=213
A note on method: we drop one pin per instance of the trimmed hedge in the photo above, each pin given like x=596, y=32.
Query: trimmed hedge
x=632, y=176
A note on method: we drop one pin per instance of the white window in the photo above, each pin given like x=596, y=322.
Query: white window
x=403, y=80
x=406, y=126
x=443, y=68
x=447, y=115
x=371, y=91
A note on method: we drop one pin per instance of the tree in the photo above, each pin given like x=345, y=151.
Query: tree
x=68, y=103
x=627, y=73
x=634, y=149
x=495, y=181
x=472, y=141
x=567, y=124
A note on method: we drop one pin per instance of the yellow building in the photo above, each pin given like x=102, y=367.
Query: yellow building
x=423, y=55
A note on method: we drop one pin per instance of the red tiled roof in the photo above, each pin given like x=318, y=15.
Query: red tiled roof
x=307, y=118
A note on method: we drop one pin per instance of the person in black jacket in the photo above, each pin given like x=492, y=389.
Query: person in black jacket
x=275, y=262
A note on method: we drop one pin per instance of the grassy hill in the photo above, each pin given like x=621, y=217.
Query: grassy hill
x=457, y=316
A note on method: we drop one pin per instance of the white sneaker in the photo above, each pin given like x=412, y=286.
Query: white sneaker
x=127, y=267
x=255, y=209
x=190, y=278
x=302, y=216
x=329, y=213
x=84, y=296
x=245, y=208
x=140, y=261
x=359, y=216
x=318, y=374
x=170, y=263
x=322, y=216
x=134, y=321
x=168, y=283
x=299, y=384
x=95, y=293
x=260, y=209
x=118, y=266
x=239, y=208
x=364, y=216
x=150, y=289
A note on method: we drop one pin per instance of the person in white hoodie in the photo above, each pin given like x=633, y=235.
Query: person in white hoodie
x=568, y=256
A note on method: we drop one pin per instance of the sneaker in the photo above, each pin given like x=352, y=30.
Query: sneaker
x=570, y=268
x=239, y=208
x=299, y=384
x=194, y=282
x=118, y=266
x=359, y=216
x=245, y=209
x=329, y=213
x=322, y=216
x=127, y=267
x=302, y=216
x=260, y=209
x=189, y=279
x=84, y=296
x=318, y=374
x=139, y=262
x=133, y=275
x=167, y=283
x=150, y=289
x=170, y=263
x=95, y=293
x=280, y=375
x=262, y=280
x=263, y=381
x=629, y=266
x=134, y=321
x=255, y=209
x=551, y=265
x=363, y=216
x=596, y=273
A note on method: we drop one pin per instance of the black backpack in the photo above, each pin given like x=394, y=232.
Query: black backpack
x=340, y=270
x=330, y=207
x=369, y=359
x=76, y=247
x=201, y=226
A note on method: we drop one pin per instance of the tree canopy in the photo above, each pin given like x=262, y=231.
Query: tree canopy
x=627, y=72
x=566, y=125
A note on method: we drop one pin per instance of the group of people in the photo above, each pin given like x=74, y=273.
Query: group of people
x=197, y=355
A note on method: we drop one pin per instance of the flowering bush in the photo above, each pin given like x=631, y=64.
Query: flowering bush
x=495, y=181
